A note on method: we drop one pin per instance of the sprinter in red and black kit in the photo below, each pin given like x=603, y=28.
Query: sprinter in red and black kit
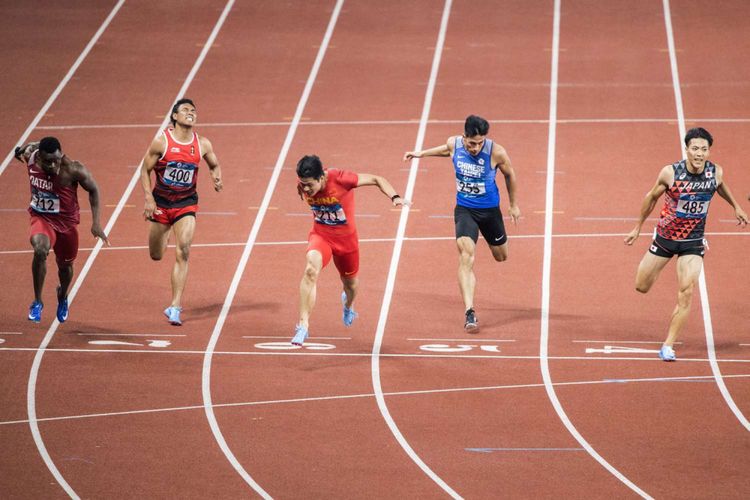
x=172, y=204
x=54, y=179
x=688, y=187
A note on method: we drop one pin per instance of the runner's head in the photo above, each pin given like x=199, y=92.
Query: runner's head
x=697, y=147
x=475, y=131
x=50, y=154
x=698, y=133
x=184, y=109
x=311, y=175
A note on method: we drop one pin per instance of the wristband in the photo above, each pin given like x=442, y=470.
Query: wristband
x=393, y=198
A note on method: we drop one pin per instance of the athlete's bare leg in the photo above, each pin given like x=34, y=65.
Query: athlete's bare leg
x=500, y=252
x=65, y=273
x=467, y=281
x=648, y=270
x=350, y=288
x=183, y=230
x=688, y=269
x=308, y=286
x=158, y=237
x=41, y=245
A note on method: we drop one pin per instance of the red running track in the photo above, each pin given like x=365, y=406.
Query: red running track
x=125, y=416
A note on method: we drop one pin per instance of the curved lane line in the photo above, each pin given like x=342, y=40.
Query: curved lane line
x=207, y=359
x=388, y=294
x=62, y=83
x=547, y=265
x=702, y=277
x=31, y=388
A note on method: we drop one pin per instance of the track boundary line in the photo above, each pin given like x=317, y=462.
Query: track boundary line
x=703, y=289
x=249, y=244
x=519, y=121
x=31, y=388
x=365, y=395
x=395, y=257
x=53, y=97
x=547, y=262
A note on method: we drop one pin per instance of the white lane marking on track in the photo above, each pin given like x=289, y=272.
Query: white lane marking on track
x=369, y=240
x=52, y=98
x=698, y=378
x=702, y=277
x=390, y=282
x=31, y=389
x=396, y=122
x=547, y=264
x=206, y=375
x=105, y=334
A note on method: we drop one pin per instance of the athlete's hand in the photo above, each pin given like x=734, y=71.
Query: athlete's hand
x=515, y=213
x=632, y=236
x=97, y=231
x=742, y=219
x=218, y=186
x=409, y=155
x=400, y=202
x=149, y=208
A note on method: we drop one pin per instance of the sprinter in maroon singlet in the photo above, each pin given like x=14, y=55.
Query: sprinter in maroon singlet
x=54, y=179
x=172, y=204
x=688, y=187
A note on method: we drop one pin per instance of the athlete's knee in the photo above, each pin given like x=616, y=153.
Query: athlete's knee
x=156, y=253
x=311, y=273
x=500, y=254
x=685, y=295
x=183, y=251
x=41, y=252
x=642, y=287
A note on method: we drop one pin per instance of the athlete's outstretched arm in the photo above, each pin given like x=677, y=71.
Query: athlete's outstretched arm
x=502, y=160
x=442, y=150
x=649, y=202
x=385, y=187
x=723, y=189
x=87, y=182
x=155, y=151
x=213, y=163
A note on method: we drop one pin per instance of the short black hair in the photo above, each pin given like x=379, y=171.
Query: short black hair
x=310, y=166
x=176, y=107
x=49, y=145
x=475, y=125
x=698, y=133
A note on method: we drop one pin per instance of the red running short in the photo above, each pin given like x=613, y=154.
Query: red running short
x=345, y=252
x=64, y=243
x=168, y=216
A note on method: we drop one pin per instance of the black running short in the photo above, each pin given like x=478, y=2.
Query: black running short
x=470, y=221
x=662, y=247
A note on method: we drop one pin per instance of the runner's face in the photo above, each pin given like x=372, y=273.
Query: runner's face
x=473, y=144
x=186, y=114
x=50, y=162
x=697, y=152
x=310, y=185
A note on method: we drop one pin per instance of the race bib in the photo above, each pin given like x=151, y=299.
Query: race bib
x=330, y=215
x=693, y=206
x=470, y=187
x=45, y=203
x=179, y=174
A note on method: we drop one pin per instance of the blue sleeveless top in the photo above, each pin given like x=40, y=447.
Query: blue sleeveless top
x=475, y=177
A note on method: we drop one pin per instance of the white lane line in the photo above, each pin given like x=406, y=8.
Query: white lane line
x=104, y=334
x=620, y=342
x=547, y=263
x=206, y=377
x=702, y=277
x=380, y=123
x=390, y=282
x=301, y=351
x=31, y=390
x=369, y=240
x=62, y=84
x=707, y=378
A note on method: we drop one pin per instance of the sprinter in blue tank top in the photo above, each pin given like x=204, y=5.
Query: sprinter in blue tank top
x=476, y=160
